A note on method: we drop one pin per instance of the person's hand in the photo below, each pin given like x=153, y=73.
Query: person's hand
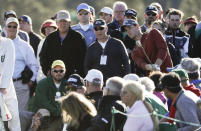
x=3, y=90
x=36, y=124
x=152, y=67
x=30, y=84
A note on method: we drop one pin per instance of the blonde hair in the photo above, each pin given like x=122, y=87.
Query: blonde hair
x=135, y=88
x=75, y=107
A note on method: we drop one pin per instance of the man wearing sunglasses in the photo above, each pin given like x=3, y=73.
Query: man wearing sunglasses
x=106, y=54
x=151, y=51
x=48, y=93
x=151, y=14
x=84, y=26
x=24, y=56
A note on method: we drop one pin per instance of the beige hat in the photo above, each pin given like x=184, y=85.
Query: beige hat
x=106, y=10
x=12, y=19
x=190, y=65
x=43, y=112
x=58, y=63
x=63, y=15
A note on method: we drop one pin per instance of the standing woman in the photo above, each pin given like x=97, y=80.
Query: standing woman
x=139, y=118
x=79, y=113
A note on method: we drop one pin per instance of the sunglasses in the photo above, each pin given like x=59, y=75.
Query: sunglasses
x=58, y=71
x=14, y=27
x=99, y=28
x=149, y=14
x=84, y=13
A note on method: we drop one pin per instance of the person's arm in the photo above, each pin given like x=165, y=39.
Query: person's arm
x=125, y=59
x=6, y=76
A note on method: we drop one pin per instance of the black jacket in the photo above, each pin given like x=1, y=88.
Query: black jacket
x=34, y=41
x=104, y=111
x=117, y=58
x=71, y=51
x=96, y=97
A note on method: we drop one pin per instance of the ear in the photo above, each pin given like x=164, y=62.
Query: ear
x=138, y=26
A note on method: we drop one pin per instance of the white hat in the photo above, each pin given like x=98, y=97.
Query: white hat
x=12, y=19
x=63, y=15
x=106, y=10
x=132, y=77
x=94, y=76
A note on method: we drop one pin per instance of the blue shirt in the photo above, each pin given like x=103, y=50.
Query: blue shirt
x=89, y=35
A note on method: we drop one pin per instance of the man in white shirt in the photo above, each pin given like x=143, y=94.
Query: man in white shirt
x=24, y=57
x=7, y=59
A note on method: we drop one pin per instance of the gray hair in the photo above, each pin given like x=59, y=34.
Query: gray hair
x=148, y=84
x=114, y=84
x=120, y=3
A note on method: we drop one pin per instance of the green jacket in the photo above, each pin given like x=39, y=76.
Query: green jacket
x=45, y=96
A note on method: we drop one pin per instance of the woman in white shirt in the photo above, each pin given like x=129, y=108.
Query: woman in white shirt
x=139, y=118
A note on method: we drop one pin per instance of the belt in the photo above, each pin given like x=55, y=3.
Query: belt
x=17, y=79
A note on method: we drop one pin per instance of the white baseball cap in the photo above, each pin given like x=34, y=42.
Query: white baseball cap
x=94, y=76
x=106, y=10
x=12, y=19
x=132, y=77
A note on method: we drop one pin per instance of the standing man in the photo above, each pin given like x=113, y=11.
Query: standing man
x=175, y=35
x=119, y=9
x=23, y=35
x=64, y=44
x=26, y=25
x=152, y=52
x=151, y=14
x=106, y=14
x=106, y=54
x=24, y=57
x=85, y=27
x=7, y=90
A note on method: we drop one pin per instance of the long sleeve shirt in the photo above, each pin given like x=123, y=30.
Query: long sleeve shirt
x=7, y=61
x=24, y=57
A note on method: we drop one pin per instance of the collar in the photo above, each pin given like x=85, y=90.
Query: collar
x=177, y=98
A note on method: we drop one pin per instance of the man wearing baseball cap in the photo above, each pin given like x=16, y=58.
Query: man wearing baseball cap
x=65, y=44
x=151, y=51
x=106, y=13
x=26, y=25
x=151, y=15
x=94, y=84
x=106, y=54
x=25, y=59
x=48, y=92
x=84, y=26
x=23, y=35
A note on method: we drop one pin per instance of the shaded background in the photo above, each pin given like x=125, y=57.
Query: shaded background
x=40, y=10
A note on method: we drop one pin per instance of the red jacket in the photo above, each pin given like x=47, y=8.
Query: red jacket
x=155, y=46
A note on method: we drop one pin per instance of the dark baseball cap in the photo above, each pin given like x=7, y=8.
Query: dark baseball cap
x=128, y=22
x=99, y=22
x=9, y=12
x=151, y=9
x=25, y=18
x=75, y=80
x=131, y=12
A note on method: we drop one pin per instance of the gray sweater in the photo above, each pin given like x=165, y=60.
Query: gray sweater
x=187, y=110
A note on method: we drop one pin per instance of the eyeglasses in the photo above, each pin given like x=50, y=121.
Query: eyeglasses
x=58, y=71
x=86, y=13
x=99, y=28
x=14, y=27
x=151, y=14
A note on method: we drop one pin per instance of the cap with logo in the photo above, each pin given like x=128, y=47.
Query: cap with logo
x=12, y=19
x=75, y=80
x=128, y=22
x=58, y=63
x=9, y=12
x=83, y=6
x=106, y=10
x=131, y=12
x=152, y=9
x=48, y=23
x=26, y=18
x=63, y=15
x=182, y=74
x=99, y=22
x=94, y=76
